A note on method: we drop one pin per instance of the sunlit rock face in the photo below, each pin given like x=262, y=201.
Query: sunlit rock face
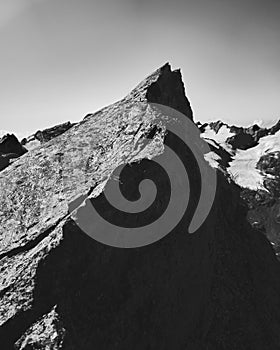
x=216, y=289
x=46, y=333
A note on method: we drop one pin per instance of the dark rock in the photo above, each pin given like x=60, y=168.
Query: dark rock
x=4, y=162
x=10, y=144
x=10, y=148
x=242, y=140
x=274, y=128
x=50, y=133
x=169, y=90
x=24, y=141
x=216, y=126
x=5, y=159
x=270, y=163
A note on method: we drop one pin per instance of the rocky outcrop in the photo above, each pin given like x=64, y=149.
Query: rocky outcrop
x=50, y=133
x=10, y=144
x=47, y=134
x=242, y=140
x=216, y=289
x=10, y=148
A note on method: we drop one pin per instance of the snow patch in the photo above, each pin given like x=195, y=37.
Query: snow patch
x=213, y=159
x=220, y=137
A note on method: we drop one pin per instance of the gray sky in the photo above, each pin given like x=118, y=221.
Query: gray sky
x=61, y=59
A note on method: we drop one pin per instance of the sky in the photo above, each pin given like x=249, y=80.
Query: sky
x=62, y=59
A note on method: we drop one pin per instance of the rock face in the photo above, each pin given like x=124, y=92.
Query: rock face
x=217, y=289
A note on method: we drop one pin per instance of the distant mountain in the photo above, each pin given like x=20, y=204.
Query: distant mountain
x=251, y=158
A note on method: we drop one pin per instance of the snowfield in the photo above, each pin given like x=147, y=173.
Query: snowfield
x=243, y=167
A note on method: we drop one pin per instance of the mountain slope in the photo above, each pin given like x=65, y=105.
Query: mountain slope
x=216, y=289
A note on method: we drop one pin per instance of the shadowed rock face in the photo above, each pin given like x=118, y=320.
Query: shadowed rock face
x=169, y=90
x=242, y=141
x=10, y=144
x=5, y=159
x=10, y=148
x=217, y=289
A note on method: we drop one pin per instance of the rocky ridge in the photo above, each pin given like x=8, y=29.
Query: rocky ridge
x=218, y=289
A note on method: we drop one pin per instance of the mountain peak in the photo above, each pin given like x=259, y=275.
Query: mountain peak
x=164, y=86
x=194, y=291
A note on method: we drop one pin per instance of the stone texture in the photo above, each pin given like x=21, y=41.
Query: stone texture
x=47, y=333
x=50, y=133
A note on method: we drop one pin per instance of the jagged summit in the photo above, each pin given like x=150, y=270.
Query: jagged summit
x=169, y=90
x=163, y=86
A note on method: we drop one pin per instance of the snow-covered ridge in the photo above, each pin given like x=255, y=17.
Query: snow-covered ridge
x=245, y=146
x=220, y=137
